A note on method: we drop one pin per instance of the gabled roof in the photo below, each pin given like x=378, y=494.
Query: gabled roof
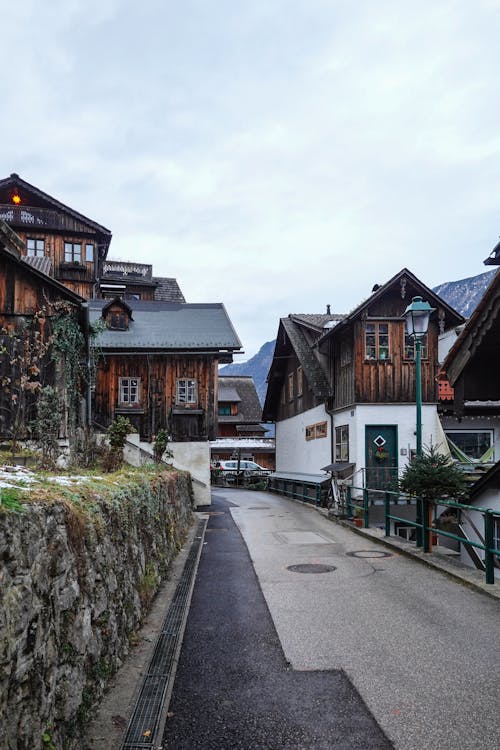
x=41, y=264
x=404, y=278
x=14, y=181
x=292, y=332
x=317, y=322
x=239, y=389
x=117, y=301
x=173, y=326
x=474, y=331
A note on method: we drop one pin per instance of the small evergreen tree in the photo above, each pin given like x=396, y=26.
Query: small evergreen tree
x=47, y=424
x=433, y=476
x=117, y=434
x=160, y=447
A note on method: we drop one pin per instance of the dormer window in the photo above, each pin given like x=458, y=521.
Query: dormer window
x=117, y=315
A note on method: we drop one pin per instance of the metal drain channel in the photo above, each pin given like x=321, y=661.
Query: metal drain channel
x=145, y=720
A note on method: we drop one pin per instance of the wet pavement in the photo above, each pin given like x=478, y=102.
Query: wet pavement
x=234, y=688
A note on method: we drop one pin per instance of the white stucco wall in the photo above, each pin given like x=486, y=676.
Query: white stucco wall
x=195, y=458
x=295, y=453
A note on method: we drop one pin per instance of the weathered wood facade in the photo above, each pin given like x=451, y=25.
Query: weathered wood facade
x=29, y=302
x=157, y=406
x=65, y=244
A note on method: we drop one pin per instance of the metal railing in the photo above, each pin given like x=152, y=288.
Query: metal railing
x=426, y=521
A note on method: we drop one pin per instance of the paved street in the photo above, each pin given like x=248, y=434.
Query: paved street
x=420, y=651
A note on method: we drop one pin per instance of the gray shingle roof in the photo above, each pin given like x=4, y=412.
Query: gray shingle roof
x=315, y=376
x=228, y=394
x=316, y=320
x=168, y=290
x=249, y=408
x=170, y=325
x=41, y=264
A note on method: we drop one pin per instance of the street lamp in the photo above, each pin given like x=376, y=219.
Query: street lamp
x=416, y=317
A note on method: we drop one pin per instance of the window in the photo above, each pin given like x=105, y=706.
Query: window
x=130, y=391
x=318, y=430
x=89, y=252
x=321, y=430
x=342, y=443
x=117, y=321
x=73, y=252
x=410, y=349
x=377, y=340
x=186, y=391
x=290, y=387
x=224, y=410
x=299, y=381
x=471, y=444
x=36, y=248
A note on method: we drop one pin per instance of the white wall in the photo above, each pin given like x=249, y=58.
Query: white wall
x=490, y=498
x=195, y=458
x=402, y=415
x=296, y=454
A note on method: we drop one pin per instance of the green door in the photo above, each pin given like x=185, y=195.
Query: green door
x=381, y=450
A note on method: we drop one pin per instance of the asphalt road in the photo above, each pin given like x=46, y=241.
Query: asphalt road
x=234, y=687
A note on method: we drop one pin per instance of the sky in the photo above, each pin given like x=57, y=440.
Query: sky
x=273, y=155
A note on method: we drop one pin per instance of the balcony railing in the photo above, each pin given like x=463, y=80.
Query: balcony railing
x=39, y=218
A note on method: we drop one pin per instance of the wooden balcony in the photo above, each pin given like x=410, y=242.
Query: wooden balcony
x=38, y=219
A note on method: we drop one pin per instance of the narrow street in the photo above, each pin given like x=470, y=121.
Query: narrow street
x=376, y=651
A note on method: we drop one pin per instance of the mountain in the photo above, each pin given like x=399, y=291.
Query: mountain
x=463, y=295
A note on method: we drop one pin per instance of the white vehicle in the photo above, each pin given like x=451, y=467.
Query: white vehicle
x=249, y=468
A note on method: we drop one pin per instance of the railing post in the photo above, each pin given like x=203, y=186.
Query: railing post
x=348, y=505
x=426, y=525
x=488, y=543
x=418, y=522
x=387, y=512
x=366, y=512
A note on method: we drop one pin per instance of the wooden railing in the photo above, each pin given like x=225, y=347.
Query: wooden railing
x=39, y=218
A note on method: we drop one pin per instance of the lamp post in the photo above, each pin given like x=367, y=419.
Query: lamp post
x=417, y=316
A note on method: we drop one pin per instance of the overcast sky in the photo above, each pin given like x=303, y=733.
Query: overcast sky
x=275, y=155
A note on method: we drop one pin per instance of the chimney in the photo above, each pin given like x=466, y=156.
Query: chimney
x=328, y=310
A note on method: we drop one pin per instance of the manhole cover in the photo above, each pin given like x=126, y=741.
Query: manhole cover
x=311, y=568
x=369, y=553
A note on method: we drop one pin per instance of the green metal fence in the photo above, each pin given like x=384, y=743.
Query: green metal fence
x=425, y=510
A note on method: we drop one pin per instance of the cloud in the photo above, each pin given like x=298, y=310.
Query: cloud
x=274, y=155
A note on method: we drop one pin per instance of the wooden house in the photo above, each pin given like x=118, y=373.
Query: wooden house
x=30, y=301
x=239, y=431
x=158, y=365
x=57, y=239
x=345, y=393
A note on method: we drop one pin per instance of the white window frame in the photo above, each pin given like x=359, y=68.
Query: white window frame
x=342, y=442
x=130, y=391
x=186, y=391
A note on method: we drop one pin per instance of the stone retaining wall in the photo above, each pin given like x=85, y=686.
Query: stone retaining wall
x=74, y=587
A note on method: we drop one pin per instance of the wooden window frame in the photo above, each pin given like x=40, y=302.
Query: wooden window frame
x=317, y=431
x=409, y=347
x=70, y=255
x=342, y=443
x=300, y=378
x=290, y=387
x=186, y=391
x=33, y=249
x=129, y=391
x=376, y=337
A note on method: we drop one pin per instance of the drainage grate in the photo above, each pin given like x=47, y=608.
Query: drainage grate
x=144, y=724
x=311, y=568
x=369, y=553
